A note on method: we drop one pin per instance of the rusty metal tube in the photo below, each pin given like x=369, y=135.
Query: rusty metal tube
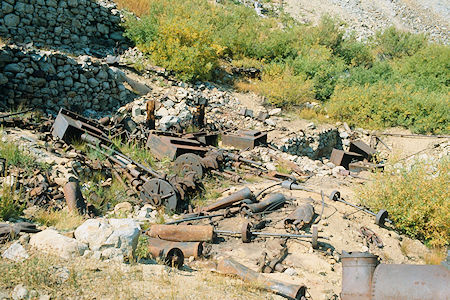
x=74, y=198
x=357, y=271
x=171, y=256
x=272, y=202
x=410, y=282
x=182, y=233
x=230, y=267
x=189, y=249
x=302, y=215
x=245, y=193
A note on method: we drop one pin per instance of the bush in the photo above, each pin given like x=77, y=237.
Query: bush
x=416, y=199
x=393, y=43
x=282, y=88
x=10, y=205
x=382, y=105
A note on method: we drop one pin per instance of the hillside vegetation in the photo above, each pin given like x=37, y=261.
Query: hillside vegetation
x=395, y=79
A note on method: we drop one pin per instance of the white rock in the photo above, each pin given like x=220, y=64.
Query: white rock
x=271, y=167
x=274, y=112
x=290, y=272
x=270, y=122
x=162, y=112
x=125, y=235
x=168, y=121
x=136, y=111
x=311, y=125
x=344, y=135
x=16, y=252
x=337, y=170
x=19, y=292
x=94, y=233
x=52, y=242
x=123, y=208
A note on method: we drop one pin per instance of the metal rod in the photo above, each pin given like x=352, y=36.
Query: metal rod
x=193, y=219
x=287, y=235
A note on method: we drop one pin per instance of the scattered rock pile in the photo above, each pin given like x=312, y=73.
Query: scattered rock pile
x=70, y=25
x=54, y=80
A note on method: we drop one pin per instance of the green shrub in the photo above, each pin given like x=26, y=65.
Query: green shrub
x=416, y=198
x=10, y=205
x=393, y=43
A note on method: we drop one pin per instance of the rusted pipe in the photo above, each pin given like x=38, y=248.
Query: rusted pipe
x=74, y=198
x=231, y=267
x=272, y=201
x=150, y=119
x=171, y=256
x=245, y=193
x=182, y=233
x=357, y=271
x=189, y=249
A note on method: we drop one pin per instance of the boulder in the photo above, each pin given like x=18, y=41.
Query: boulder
x=94, y=233
x=125, y=235
x=50, y=241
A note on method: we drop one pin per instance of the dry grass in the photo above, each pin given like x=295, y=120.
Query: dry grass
x=59, y=219
x=435, y=256
x=90, y=279
x=139, y=7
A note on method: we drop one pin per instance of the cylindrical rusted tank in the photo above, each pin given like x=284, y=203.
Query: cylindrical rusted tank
x=182, y=233
x=273, y=201
x=189, y=249
x=410, y=282
x=357, y=271
x=245, y=193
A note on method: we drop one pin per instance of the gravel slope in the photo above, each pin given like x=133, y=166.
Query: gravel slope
x=367, y=16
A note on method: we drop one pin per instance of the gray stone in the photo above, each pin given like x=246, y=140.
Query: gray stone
x=52, y=3
x=125, y=235
x=68, y=82
x=13, y=68
x=52, y=242
x=16, y=252
x=168, y=121
x=6, y=7
x=274, y=112
x=93, y=82
x=3, y=79
x=72, y=3
x=11, y=20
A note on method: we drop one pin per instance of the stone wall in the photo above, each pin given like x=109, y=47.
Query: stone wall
x=43, y=78
x=315, y=146
x=73, y=25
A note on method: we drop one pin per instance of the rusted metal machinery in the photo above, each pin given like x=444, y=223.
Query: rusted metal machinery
x=273, y=265
x=344, y=158
x=206, y=233
x=272, y=202
x=189, y=249
x=169, y=254
x=238, y=196
x=230, y=267
x=182, y=233
x=364, y=279
x=11, y=231
x=248, y=139
x=164, y=145
x=300, y=217
x=154, y=188
x=380, y=218
x=74, y=198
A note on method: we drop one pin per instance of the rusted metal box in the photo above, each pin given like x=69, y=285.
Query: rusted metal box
x=245, y=139
x=172, y=147
x=344, y=158
x=362, y=148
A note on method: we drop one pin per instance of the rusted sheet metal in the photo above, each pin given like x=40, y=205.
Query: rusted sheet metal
x=11, y=231
x=245, y=193
x=362, y=148
x=245, y=139
x=69, y=126
x=363, y=279
x=189, y=249
x=303, y=215
x=272, y=202
x=231, y=267
x=344, y=158
x=371, y=236
x=74, y=198
x=204, y=137
x=182, y=233
x=168, y=146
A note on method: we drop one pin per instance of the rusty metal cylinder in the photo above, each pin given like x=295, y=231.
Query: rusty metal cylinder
x=271, y=202
x=189, y=249
x=231, y=267
x=245, y=193
x=410, y=282
x=357, y=271
x=182, y=233
x=74, y=198
x=171, y=256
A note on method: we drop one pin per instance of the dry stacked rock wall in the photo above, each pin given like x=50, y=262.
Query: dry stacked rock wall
x=53, y=80
x=315, y=146
x=66, y=24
